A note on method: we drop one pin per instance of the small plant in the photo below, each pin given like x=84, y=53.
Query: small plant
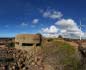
x=10, y=45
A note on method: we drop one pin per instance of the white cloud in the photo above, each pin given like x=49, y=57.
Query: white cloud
x=50, y=35
x=71, y=28
x=35, y=21
x=50, y=32
x=24, y=24
x=53, y=14
x=51, y=29
x=66, y=23
x=66, y=27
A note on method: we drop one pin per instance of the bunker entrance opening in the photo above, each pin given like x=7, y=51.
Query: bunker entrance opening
x=38, y=44
x=27, y=44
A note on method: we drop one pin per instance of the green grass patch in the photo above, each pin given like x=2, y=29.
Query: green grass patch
x=65, y=52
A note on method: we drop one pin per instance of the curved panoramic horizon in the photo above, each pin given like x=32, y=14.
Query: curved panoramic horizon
x=50, y=18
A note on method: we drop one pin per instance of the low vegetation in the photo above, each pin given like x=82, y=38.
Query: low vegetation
x=61, y=56
x=11, y=45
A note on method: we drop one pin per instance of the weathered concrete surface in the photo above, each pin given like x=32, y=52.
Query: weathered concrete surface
x=27, y=40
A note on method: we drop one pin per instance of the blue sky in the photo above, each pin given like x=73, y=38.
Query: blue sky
x=39, y=16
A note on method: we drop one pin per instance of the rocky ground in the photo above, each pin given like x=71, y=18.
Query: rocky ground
x=23, y=60
x=52, y=56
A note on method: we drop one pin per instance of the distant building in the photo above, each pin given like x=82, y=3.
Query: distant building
x=27, y=40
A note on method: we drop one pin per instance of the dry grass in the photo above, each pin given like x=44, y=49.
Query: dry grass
x=61, y=55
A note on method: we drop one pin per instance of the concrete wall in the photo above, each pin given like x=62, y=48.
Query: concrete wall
x=27, y=40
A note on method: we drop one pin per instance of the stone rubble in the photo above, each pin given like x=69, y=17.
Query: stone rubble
x=22, y=61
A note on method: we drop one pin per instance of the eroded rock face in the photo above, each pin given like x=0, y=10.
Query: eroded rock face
x=15, y=59
x=82, y=51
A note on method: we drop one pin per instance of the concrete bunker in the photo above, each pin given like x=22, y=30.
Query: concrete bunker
x=27, y=40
